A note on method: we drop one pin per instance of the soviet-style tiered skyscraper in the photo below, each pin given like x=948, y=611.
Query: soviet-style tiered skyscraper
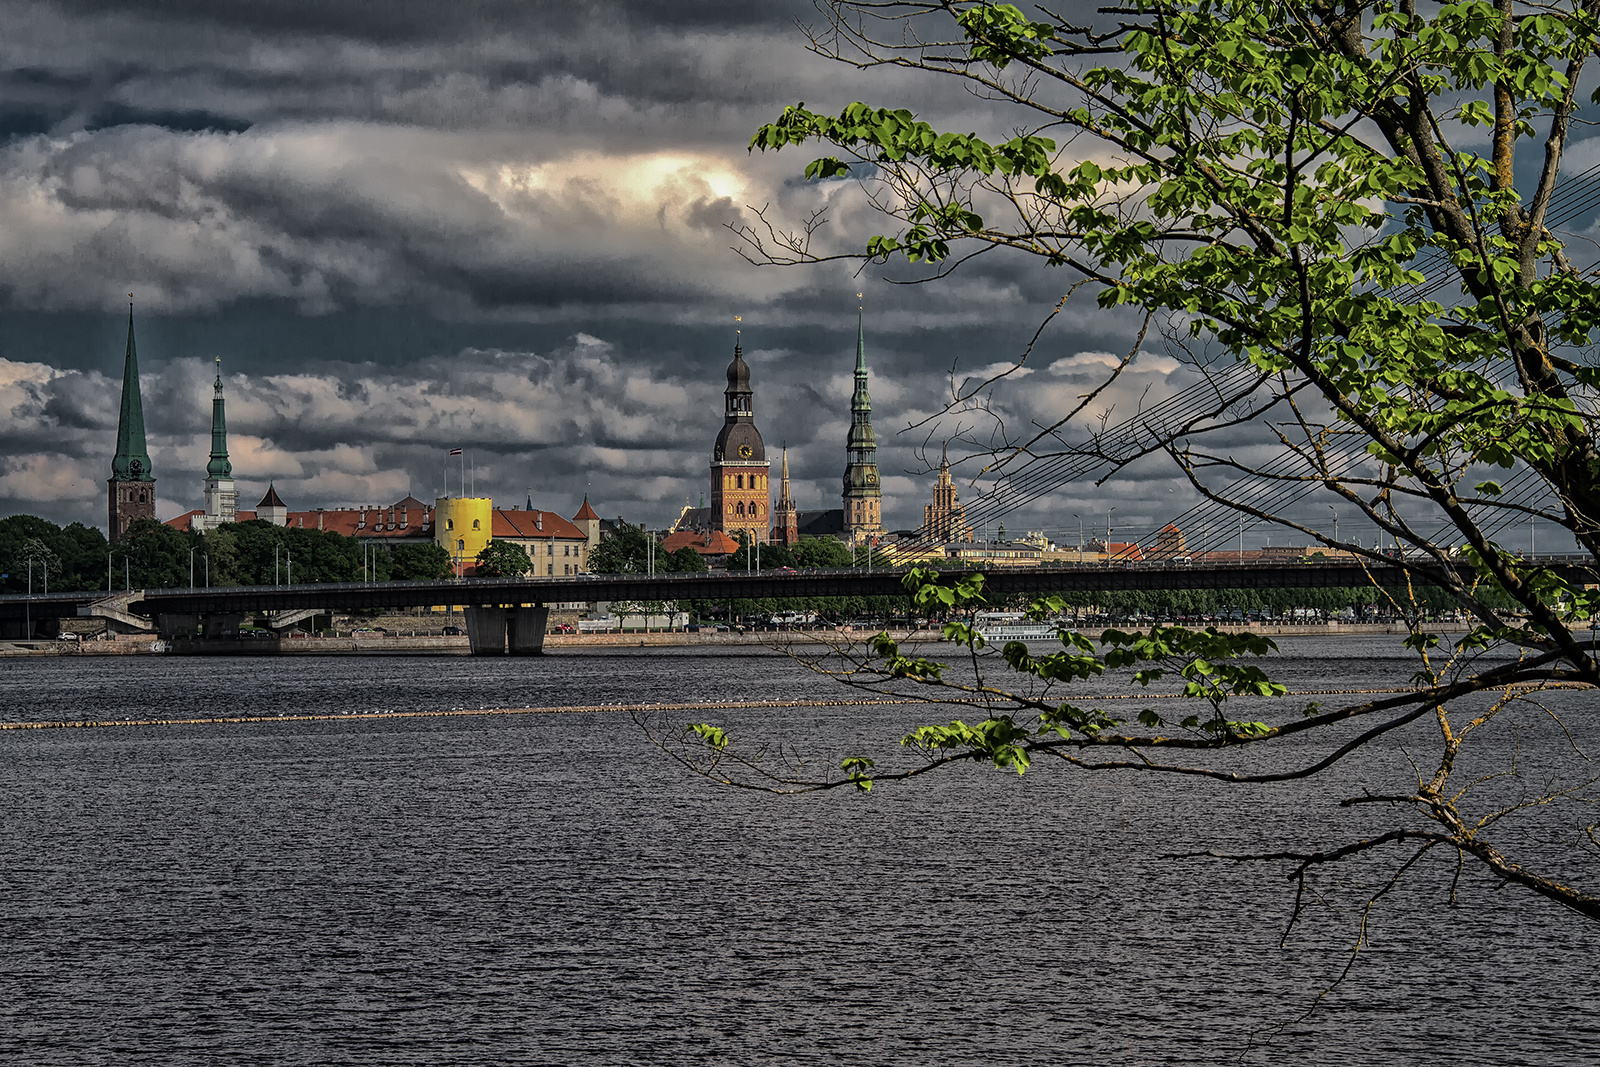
x=131, y=489
x=740, y=496
x=863, y=496
x=945, y=519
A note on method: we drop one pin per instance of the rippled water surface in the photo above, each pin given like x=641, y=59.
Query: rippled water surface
x=551, y=889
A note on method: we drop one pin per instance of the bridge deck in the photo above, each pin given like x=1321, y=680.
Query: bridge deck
x=352, y=596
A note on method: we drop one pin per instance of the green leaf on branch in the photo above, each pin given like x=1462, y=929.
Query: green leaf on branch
x=713, y=736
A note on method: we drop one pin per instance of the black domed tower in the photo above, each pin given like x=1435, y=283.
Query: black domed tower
x=740, y=498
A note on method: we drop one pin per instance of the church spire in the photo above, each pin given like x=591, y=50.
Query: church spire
x=783, y=491
x=132, y=460
x=131, y=489
x=219, y=467
x=222, y=500
x=863, y=496
x=785, y=519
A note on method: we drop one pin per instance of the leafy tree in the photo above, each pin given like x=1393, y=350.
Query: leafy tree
x=627, y=551
x=683, y=561
x=156, y=555
x=418, y=562
x=79, y=553
x=1301, y=194
x=502, y=559
x=820, y=552
x=770, y=557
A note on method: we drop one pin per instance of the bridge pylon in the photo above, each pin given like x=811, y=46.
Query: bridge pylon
x=494, y=630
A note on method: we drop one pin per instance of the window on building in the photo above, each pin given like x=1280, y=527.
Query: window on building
x=461, y=546
x=475, y=524
x=550, y=568
x=449, y=524
x=738, y=481
x=550, y=550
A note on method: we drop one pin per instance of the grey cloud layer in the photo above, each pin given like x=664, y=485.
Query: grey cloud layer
x=570, y=168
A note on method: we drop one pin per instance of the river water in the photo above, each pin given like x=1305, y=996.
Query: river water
x=550, y=889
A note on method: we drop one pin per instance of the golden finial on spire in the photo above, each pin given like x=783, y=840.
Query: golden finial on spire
x=738, y=319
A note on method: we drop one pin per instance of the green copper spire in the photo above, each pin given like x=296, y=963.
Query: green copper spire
x=861, y=401
x=132, y=461
x=219, y=467
x=863, y=444
x=863, y=496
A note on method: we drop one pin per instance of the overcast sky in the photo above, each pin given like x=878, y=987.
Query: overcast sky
x=498, y=225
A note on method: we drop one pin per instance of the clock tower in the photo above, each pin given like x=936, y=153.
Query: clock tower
x=131, y=489
x=863, y=495
x=740, y=497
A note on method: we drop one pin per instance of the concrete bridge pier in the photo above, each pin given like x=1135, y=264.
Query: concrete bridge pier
x=526, y=629
x=17, y=629
x=489, y=628
x=175, y=625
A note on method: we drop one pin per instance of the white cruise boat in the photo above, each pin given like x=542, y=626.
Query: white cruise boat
x=998, y=627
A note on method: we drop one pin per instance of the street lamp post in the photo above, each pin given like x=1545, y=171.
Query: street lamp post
x=1335, y=524
x=191, y=567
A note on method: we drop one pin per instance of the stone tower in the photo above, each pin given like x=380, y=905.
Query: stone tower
x=740, y=495
x=785, y=519
x=131, y=489
x=222, y=501
x=272, y=508
x=863, y=496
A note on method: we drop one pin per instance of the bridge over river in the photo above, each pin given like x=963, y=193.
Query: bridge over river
x=511, y=613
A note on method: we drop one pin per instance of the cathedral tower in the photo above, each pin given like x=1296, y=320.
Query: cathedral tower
x=863, y=496
x=740, y=495
x=131, y=489
x=222, y=501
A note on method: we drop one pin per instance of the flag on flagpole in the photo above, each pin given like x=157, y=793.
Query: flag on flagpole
x=455, y=451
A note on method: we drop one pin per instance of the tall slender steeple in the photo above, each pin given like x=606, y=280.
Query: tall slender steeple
x=222, y=501
x=863, y=496
x=785, y=519
x=131, y=489
x=219, y=466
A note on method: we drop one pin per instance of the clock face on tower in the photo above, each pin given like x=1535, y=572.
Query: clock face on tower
x=744, y=451
x=135, y=467
x=871, y=478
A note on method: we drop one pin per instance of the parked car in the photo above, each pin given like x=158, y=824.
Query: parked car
x=453, y=631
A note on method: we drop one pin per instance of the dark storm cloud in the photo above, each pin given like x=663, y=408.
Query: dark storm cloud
x=500, y=225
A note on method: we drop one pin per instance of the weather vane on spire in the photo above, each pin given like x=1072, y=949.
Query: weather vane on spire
x=736, y=329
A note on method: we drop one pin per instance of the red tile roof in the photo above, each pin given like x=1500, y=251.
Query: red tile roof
x=586, y=513
x=349, y=522
x=714, y=543
x=522, y=525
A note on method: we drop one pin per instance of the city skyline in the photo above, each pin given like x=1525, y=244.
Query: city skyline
x=502, y=229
